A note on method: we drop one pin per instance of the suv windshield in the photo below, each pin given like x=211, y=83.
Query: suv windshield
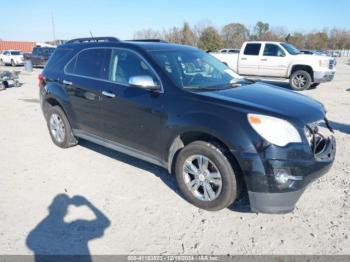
x=291, y=49
x=15, y=53
x=195, y=69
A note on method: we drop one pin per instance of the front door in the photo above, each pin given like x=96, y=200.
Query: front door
x=273, y=61
x=131, y=116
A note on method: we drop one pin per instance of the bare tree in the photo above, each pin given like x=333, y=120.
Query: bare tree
x=147, y=34
x=234, y=34
x=260, y=30
x=188, y=37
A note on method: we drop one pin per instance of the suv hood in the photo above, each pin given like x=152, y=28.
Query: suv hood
x=270, y=100
x=313, y=57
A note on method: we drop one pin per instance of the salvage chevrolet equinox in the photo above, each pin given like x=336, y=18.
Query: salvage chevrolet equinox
x=182, y=109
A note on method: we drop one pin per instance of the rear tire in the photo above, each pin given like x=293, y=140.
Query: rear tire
x=205, y=176
x=59, y=128
x=300, y=80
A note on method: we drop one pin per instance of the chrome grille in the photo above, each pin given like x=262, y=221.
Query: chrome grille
x=332, y=63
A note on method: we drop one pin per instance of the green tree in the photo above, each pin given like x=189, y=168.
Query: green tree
x=210, y=40
x=234, y=35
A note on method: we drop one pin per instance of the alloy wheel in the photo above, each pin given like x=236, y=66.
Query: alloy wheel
x=57, y=128
x=299, y=81
x=202, y=178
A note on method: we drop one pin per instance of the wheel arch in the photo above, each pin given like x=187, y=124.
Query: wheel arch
x=188, y=137
x=54, y=95
x=306, y=68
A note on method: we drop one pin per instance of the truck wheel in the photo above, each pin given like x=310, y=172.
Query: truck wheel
x=59, y=128
x=2, y=62
x=205, y=176
x=300, y=80
x=13, y=63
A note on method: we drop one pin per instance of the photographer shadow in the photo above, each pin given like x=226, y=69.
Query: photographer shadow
x=53, y=239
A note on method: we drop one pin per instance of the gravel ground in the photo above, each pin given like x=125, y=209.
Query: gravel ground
x=141, y=209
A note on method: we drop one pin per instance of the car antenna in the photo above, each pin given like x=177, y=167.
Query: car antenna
x=92, y=37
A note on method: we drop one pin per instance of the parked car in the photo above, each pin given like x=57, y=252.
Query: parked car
x=280, y=60
x=336, y=54
x=182, y=109
x=39, y=56
x=11, y=57
x=229, y=51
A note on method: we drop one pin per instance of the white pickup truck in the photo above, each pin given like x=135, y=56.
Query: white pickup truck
x=280, y=60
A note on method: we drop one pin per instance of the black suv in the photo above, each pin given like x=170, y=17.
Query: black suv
x=180, y=108
x=39, y=55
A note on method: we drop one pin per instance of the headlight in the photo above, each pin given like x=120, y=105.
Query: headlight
x=275, y=130
x=308, y=135
x=324, y=63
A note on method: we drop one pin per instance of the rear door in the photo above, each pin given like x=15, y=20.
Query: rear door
x=84, y=81
x=249, y=60
x=273, y=61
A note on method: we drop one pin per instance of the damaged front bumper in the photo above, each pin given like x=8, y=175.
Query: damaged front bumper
x=301, y=164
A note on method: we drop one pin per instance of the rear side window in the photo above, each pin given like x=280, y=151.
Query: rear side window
x=252, y=49
x=90, y=63
x=58, y=60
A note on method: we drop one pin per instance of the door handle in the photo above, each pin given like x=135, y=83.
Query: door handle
x=67, y=82
x=243, y=58
x=264, y=59
x=108, y=94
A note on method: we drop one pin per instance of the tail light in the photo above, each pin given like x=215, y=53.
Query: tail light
x=41, y=80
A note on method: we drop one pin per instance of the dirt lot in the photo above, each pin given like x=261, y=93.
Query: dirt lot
x=146, y=212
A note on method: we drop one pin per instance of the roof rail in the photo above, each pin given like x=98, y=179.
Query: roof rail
x=93, y=39
x=149, y=40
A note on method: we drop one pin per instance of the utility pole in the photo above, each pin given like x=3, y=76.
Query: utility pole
x=53, y=27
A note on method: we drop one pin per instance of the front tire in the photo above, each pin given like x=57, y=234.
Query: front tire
x=13, y=63
x=300, y=80
x=59, y=128
x=205, y=176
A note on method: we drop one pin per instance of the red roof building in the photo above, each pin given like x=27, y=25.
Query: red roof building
x=17, y=45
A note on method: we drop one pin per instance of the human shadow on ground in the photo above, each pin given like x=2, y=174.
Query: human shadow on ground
x=53, y=239
x=169, y=180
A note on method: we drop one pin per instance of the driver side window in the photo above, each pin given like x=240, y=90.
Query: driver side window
x=125, y=64
x=273, y=50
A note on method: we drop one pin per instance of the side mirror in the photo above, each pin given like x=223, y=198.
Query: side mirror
x=144, y=82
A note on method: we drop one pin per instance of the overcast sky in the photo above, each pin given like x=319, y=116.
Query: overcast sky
x=31, y=20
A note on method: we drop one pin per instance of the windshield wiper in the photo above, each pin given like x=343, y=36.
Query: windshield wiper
x=233, y=84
